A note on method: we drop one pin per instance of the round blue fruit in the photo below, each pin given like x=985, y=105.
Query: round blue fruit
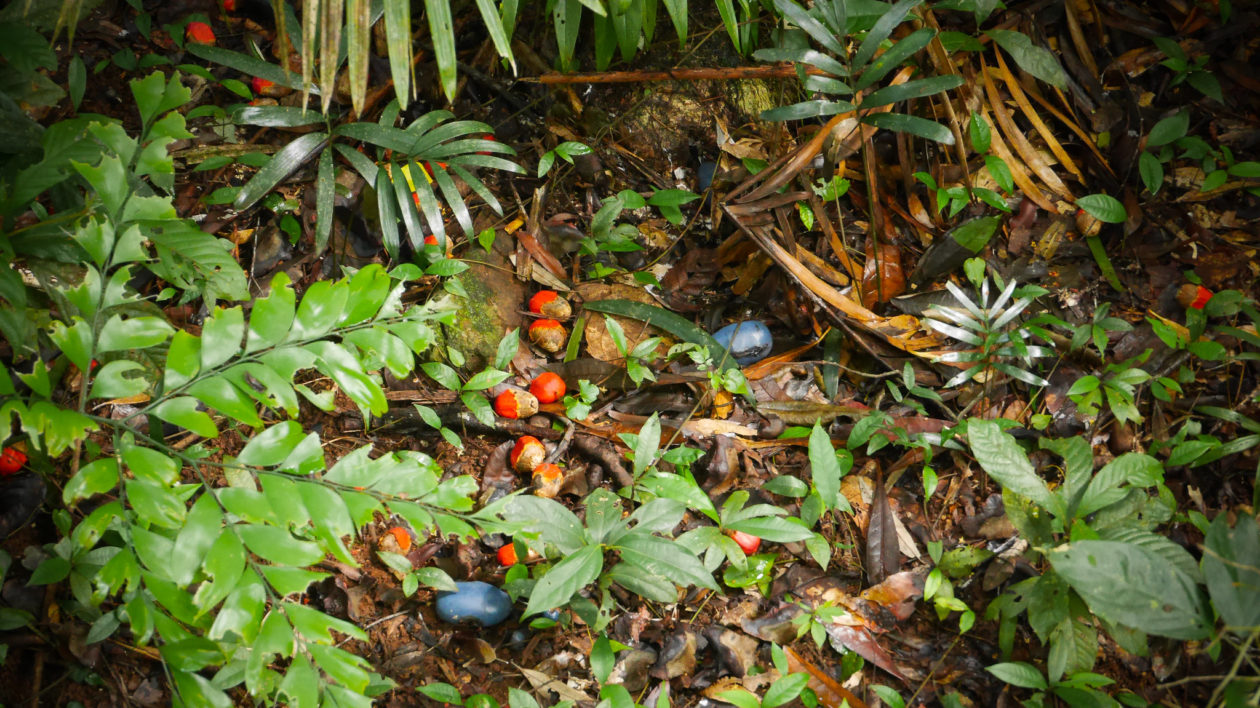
x=474, y=602
x=750, y=344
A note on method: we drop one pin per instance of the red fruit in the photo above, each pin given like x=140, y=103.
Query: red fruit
x=547, y=479
x=507, y=555
x=527, y=454
x=549, y=304
x=1201, y=297
x=260, y=85
x=747, y=542
x=514, y=403
x=200, y=33
x=402, y=536
x=548, y=387
x=549, y=335
x=11, y=460
x=229, y=5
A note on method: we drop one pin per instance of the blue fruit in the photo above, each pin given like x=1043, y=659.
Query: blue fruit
x=750, y=344
x=474, y=602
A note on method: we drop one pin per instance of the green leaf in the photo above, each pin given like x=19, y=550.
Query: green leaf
x=826, y=469
x=739, y=697
x=446, y=693
x=974, y=235
x=913, y=125
x=1018, y=673
x=1130, y=585
x=1231, y=567
x=281, y=165
x=881, y=30
x=564, y=579
x=278, y=545
x=1004, y=460
x=202, y=527
x=442, y=33
x=96, y=477
x=1169, y=129
x=773, y=528
x=276, y=116
x=917, y=88
x=784, y=689
x=120, y=334
x=1037, y=61
x=1103, y=207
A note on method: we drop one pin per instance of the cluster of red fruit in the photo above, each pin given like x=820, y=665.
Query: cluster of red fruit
x=11, y=460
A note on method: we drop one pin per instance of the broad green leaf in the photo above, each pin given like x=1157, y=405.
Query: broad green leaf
x=271, y=317
x=1130, y=585
x=221, y=337
x=398, y=41
x=276, y=116
x=564, y=579
x=1103, y=207
x=278, y=545
x=1018, y=673
x=1004, y=460
x=201, y=529
x=1037, y=61
x=132, y=333
x=1231, y=567
x=826, y=469
x=1167, y=130
x=442, y=33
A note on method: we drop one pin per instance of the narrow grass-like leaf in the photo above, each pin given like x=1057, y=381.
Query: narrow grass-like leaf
x=454, y=200
x=913, y=125
x=442, y=34
x=398, y=37
x=325, y=184
x=276, y=116
x=893, y=58
x=281, y=165
x=330, y=49
x=358, y=50
x=882, y=30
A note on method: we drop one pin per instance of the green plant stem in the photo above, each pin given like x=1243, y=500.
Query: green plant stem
x=1234, y=668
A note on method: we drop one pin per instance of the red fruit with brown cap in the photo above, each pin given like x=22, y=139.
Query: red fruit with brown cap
x=1193, y=297
x=527, y=454
x=260, y=85
x=402, y=538
x=549, y=335
x=549, y=304
x=548, y=387
x=747, y=542
x=515, y=404
x=199, y=32
x=11, y=460
x=547, y=479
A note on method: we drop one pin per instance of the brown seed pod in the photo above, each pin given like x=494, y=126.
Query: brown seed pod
x=515, y=404
x=1087, y=223
x=548, y=334
x=527, y=454
x=549, y=304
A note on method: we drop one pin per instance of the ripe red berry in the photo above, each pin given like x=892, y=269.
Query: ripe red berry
x=527, y=454
x=230, y=6
x=260, y=85
x=507, y=555
x=200, y=33
x=549, y=335
x=747, y=542
x=549, y=304
x=514, y=403
x=11, y=460
x=548, y=387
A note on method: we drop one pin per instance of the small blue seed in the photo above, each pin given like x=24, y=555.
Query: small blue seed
x=750, y=344
x=474, y=602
